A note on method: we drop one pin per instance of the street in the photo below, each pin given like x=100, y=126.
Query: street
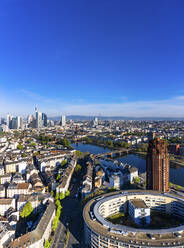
x=71, y=214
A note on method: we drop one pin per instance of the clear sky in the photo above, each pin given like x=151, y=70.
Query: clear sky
x=90, y=57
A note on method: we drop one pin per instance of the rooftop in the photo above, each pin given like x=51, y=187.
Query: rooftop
x=138, y=203
x=35, y=235
x=129, y=234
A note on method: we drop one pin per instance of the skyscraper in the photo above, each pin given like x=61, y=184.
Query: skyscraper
x=44, y=119
x=157, y=168
x=95, y=121
x=63, y=120
x=8, y=119
x=19, y=122
x=30, y=119
x=39, y=121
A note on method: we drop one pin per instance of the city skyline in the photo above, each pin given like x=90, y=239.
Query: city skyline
x=92, y=58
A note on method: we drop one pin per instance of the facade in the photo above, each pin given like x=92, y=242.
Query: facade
x=87, y=180
x=44, y=119
x=5, y=205
x=2, y=191
x=7, y=233
x=14, y=122
x=95, y=121
x=99, y=178
x=39, y=122
x=11, y=167
x=157, y=168
x=30, y=119
x=50, y=161
x=35, y=200
x=116, y=180
x=19, y=122
x=5, y=178
x=65, y=182
x=8, y=120
x=139, y=212
x=40, y=119
x=22, y=167
x=132, y=174
x=16, y=189
x=63, y=121
x=99, y=232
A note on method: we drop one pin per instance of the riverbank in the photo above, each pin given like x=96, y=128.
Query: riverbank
x=135, y=159
x=99, y=144
x=141, y=154
x=176, y=162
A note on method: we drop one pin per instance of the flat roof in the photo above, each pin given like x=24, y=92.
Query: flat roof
x=138, y=203
x=128, y=234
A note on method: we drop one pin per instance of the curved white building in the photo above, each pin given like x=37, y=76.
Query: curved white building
x=101, y=233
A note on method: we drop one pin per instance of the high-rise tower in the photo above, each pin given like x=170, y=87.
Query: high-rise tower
x=157, y=168
x=8, y=120
x=39, y=121
x=44, y=119
x=63, y=120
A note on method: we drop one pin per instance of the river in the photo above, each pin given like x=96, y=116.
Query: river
x=176, y=172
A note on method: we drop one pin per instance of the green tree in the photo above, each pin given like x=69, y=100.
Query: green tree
x=78, y=168
x=27, y=210
x=64, y=162
x=32, y=144
x=110, y=143
x=170, y=184
x=58, y=213
x=178, y=187
x=61, y=196
x=66, y=143
x=47, y=244
x=137, y=180
x=111, y=189
x=79, y=154
x=67, y=193
x=57, y=203
x=139, y=149
x=20, y=147
x=55, y=223
x=58, y=177
x=57, y=196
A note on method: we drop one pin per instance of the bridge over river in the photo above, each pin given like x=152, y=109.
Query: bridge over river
x=114, y=153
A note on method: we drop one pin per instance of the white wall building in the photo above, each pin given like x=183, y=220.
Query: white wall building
x=6, y=234
x=22, y=167
x=116, y=180
x=133, y=173
x=139, y=212
x=63, y=121
x=6, y=204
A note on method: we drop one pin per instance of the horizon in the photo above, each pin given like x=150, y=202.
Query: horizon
x=92, y=58
x=104, y=117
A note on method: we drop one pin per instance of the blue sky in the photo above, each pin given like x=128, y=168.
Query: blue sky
x=90, y=57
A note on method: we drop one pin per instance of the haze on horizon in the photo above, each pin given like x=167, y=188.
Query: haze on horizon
x=113, y=58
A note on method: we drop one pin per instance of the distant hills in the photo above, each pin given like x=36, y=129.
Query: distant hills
x=115, y=118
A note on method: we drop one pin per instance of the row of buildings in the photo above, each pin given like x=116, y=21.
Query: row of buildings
x=38, y=120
